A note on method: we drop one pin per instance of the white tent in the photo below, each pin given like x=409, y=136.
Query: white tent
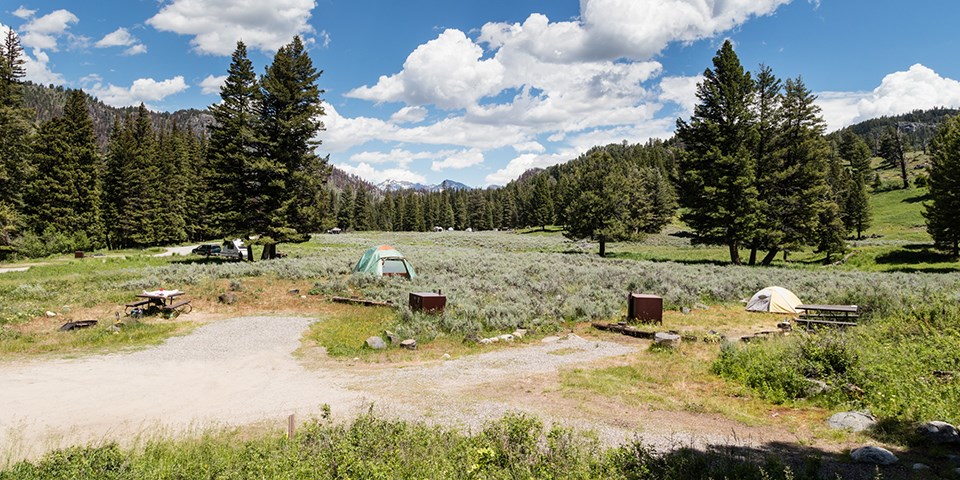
x=775, y=300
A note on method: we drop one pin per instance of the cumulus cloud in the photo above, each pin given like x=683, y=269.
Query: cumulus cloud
x=458, y=161
x=143, y=90
x=120, y=37
x=371, y=174
x=521, y=164
x=217, y=25
x=38, y=69
x=211, y=85
x=400, y=156
x=465, y=78
x=409, y=115
x=23, y=12
x=681, y=91
x=900, y=92
x=43, y=32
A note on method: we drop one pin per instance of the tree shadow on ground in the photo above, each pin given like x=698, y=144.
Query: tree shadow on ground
x=917, y=198
x=204, y=261
x=645, y=257
x=914, y=254
x=781, y=460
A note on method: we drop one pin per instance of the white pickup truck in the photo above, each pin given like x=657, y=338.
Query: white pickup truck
x=233, y=249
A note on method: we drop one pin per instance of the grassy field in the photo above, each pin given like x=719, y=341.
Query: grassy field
x=499, y=281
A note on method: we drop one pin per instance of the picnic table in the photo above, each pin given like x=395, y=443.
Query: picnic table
x=164, y=301
x=828, y=315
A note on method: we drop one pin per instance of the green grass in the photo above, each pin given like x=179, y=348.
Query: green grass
x=516, y=446
x=344, y=331
x=99, y=338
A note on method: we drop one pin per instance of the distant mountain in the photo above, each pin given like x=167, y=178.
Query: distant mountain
x=397, y=185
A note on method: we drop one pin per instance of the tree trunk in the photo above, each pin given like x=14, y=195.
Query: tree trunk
x=768, y=258
x=269, y=251
x=603, y=248
x=753, y=255
x=956, y=247
x=250, y=252
x=734, y=253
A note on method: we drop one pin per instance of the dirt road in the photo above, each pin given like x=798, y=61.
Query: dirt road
x=241, y=371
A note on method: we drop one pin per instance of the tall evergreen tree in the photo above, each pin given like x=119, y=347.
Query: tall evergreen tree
x=16, y=132
x=717, y=169
x=856, y=208
x=85, y=157
x=345, y=208
x=798, y=190
x=234, y=138
x=768, y=102
x=542, y=201
x=361, y=210
x=288, y=173
x=891, y=149
x=943, y=221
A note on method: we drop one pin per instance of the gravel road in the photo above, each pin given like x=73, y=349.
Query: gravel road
x=241, y=371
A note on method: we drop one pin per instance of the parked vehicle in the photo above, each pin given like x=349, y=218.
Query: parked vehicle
x=233, y=249
x=206, y=249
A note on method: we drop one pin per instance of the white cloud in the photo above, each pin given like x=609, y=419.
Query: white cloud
x=681, y=91
x=23, y=12
x=42, y=32
x=459, y=160
x=409, y=115
x=465, y=77
x=400, y=156
x=371, y=174
x=521, y=164
x=529, y=147
x=120, y=37
x=211, y=85
x=135, y=50
x=143, y=90
x=217, y=25
x=38, y=69
x=900, y=92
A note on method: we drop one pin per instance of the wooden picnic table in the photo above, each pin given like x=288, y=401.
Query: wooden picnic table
x=164, y=300
x=828, y=315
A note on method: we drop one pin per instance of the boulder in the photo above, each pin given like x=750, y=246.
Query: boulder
x=920, y=466
x=853, y=421
x=873, y=455
x=446, y=356
x=520, y=332
x=549, y=339
x=506, y=337
x=939, y=432
x=376, y=343
x=816, y=387
x=228, y=298
x=394, y=338
x=50, y=314
x=409, y=344
x=668, y=339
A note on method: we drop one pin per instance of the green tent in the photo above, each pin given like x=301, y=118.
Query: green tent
x=385, y=261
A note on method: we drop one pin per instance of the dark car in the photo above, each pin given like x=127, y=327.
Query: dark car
x=206, y=249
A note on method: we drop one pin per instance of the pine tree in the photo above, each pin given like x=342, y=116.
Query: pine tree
x=51, y=205
x=856, y=208
x=234, y=137
x=345, y=208
x=768, y=104
x=361, y=210
x=891, y=149
x=85, y=157
x=16, y=131
x=943, y=221
x=717, y=169
x=855, y=151
x=798, y=187
x=542, y=201
x=288, y=173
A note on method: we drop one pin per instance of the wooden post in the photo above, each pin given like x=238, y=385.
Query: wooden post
x=290, y=427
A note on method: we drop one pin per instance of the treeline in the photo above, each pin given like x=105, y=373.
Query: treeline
x=252, y=173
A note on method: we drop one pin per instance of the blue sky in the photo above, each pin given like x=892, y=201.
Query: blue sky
x=479, y=91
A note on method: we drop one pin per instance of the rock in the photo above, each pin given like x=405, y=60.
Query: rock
x=785, y=326
x=506, y=337
x=50, y=314
x=920, y=466
x=394, y=338
x=446, y=356
x=573, y=336
x=294, y=291
x=520, y=332
x=302, y=297
x=874, y=455
x=816, y=387
x=376, y=343
x=668, y=339
x=549, y=339
x=409, y=344
x=939, y=432
x=854, y=421
x=485, y=341
x=685, y=310
x=228, y=298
